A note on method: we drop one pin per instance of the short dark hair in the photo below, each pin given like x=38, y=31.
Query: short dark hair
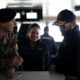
x=6, y=14
x=46, y=29
x=33, y=25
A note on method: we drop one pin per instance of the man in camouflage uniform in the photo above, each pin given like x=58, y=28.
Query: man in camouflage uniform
x=9, y=57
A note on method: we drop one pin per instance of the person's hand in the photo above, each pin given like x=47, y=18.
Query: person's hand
x=9, y=73
x=17, y=61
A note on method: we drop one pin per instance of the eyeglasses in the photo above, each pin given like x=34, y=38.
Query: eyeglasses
x=65, y=25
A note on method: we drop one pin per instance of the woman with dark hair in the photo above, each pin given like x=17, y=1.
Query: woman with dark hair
x=33, y=51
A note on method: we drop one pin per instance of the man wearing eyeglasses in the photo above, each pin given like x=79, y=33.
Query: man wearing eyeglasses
x=68, y=57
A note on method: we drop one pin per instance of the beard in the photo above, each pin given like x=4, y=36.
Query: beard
x=66, y=33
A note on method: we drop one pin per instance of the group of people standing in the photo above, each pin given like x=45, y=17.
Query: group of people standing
x=35, y=53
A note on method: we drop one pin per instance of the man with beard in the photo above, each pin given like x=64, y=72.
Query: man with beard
x=68, y=57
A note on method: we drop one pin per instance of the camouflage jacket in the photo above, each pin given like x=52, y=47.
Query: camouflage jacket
x=8, y=49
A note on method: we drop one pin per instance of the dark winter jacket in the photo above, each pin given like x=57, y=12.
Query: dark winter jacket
x=68, y=58
x=36, y=59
